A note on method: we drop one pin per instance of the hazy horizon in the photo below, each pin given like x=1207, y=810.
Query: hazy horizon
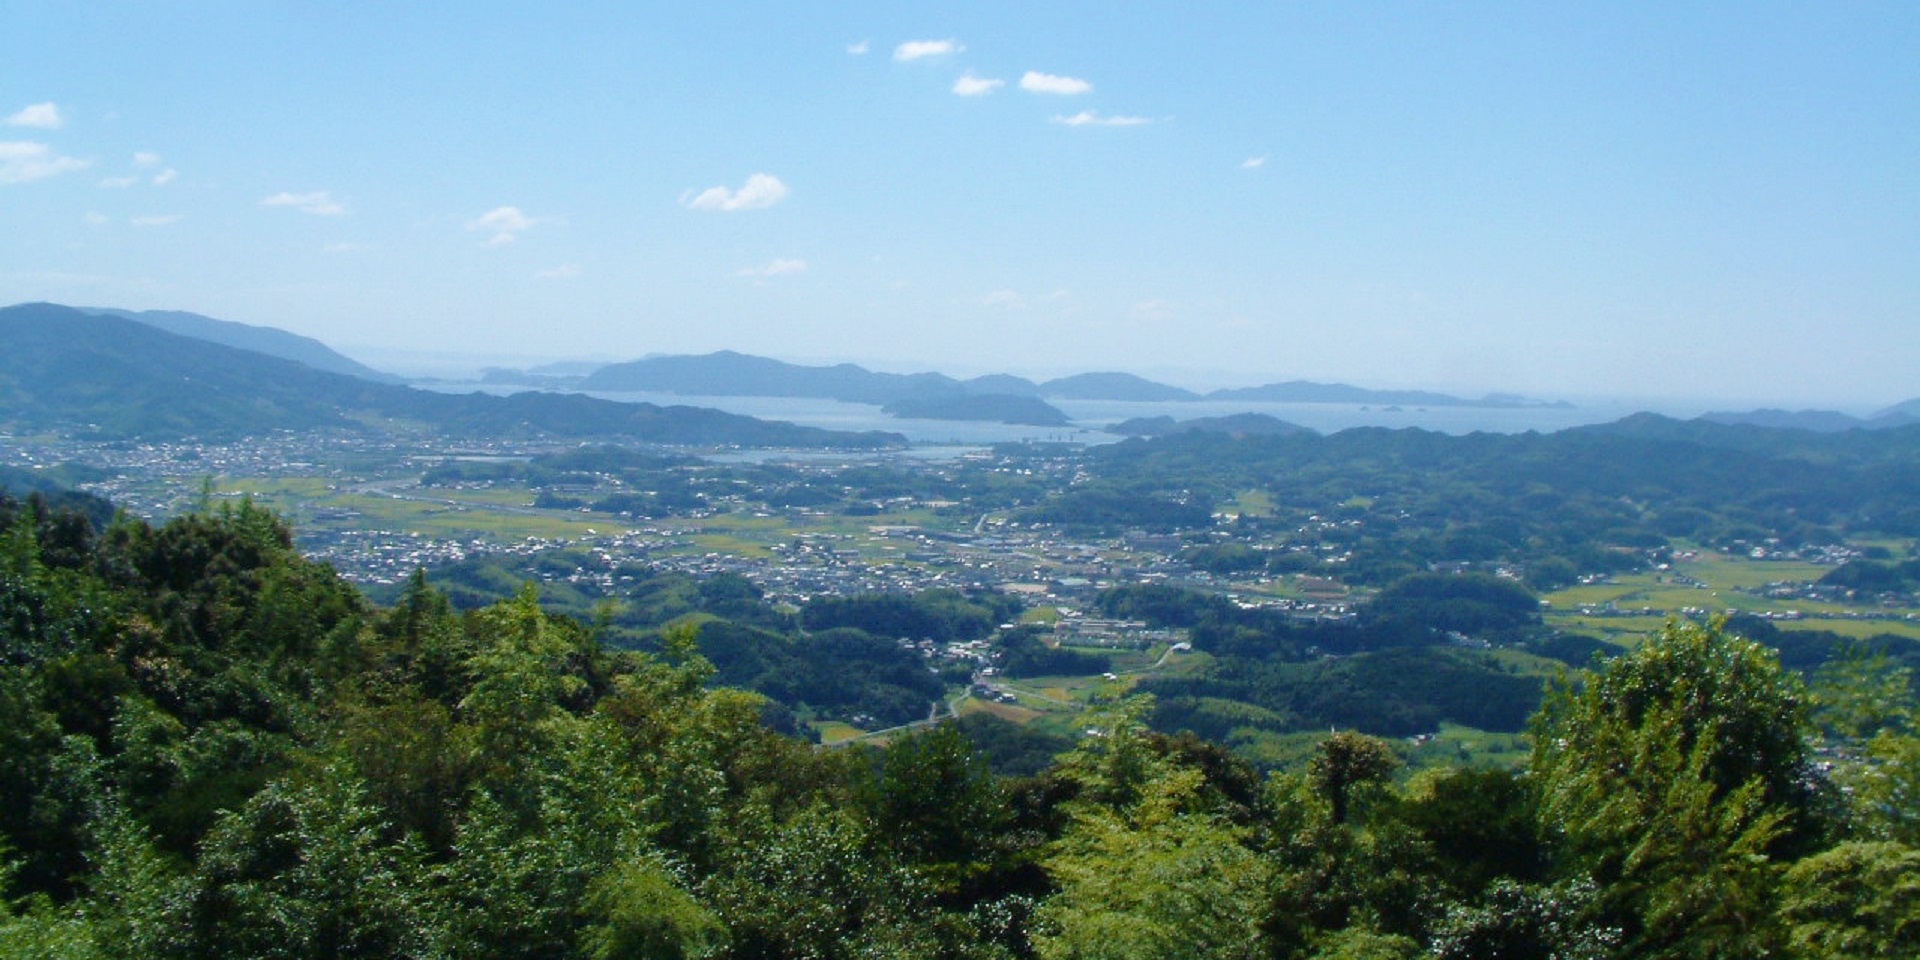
x=1716, y=201
x=456, y=366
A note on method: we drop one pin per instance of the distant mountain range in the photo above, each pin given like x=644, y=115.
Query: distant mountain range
x=103, y=375
x=124, y=383
x=728, y=373
x=1822, y=421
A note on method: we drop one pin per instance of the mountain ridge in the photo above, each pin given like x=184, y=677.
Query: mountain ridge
x=272, y=341
x=116, y=378
x=732, y=373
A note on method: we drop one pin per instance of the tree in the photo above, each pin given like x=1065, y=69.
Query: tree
x=937, y=803
x=1857, y=900
x=1157, y=879
x=1672, y=779
x=1866, y=709
x=1150, y=865
x=1346, y=761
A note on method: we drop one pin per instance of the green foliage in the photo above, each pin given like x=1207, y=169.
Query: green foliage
x=1023, y=654
x=1857, y=900
x=1480, y=825
x=1346, y=762
x=211, y=747
x=1110, y=509
x=1360, y=942
x=936, y=799
x=1395, y=692
x=1515, y=921
x=642, y=913
x=1672, y=778
x=1473, y=604
x=942, y=616
x=306, y=868
x=1149, y=866
x=1009, y=748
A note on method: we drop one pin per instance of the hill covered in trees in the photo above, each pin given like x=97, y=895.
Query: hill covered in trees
x=242, y=336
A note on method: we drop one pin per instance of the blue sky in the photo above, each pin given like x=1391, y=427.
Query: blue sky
x=1630, y=199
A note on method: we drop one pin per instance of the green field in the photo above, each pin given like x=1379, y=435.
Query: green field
x=1729, y=583
x=833, y=731
x=1251, y=503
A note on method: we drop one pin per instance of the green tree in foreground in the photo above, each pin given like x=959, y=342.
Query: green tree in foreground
x=1674, y=779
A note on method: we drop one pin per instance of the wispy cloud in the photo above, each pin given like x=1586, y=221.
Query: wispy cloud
x=774, y=268
x=565, y=271
x=319, y=202
x=505, y=223
x=144, y=160
x=1153, y=310
x=95, y=217
x=161, y=220
x=1090, y=118
x=1005, y=298
x=1253, y=163
x=45, y=116
x=344, y=248
x=857, y=49
x=1033, y=81
x=918, y=49
x=24, y=160
x=971, y=86
x=760, y=190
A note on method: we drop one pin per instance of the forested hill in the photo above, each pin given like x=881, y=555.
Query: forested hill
x=111, y=377
x=211, y=747
x=267, y=340
x=1645, y=479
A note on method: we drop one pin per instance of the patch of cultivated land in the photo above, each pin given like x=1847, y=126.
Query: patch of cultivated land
x=1630, y=605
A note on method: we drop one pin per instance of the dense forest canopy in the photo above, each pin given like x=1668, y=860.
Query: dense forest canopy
x=211, y=746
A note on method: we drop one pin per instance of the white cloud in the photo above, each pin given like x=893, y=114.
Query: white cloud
x=344, y=248
x=1033, y=81
x=95, y=217
x=115, y=183
x=1153, y=310
x=165, y=177
x=319, y=202
x=857, y=49
x=565, y=271
x=24, y=160
x=774, y=268
x=46, y=116
x=1089, y=118
x=760, y=190
x=504, y=223
x=971, y=86
x=1253, y=163
x=157, y=221
x=1004, y=298
x=916, y=49
x=146, y=158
